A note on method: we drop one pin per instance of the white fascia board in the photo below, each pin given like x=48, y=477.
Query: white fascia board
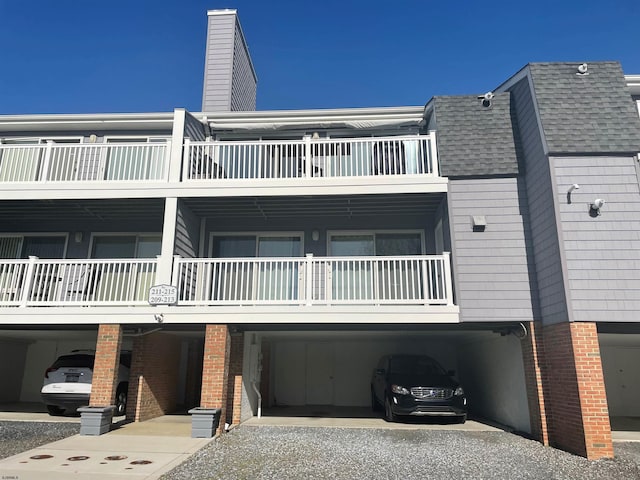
x=36, y=122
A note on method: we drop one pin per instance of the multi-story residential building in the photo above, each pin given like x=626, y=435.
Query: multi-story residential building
x=304, y=245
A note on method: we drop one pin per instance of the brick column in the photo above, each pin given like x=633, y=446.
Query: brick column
x=574, y=388
x=153, y=383
x=215, y=369
x=532, y=356
x=234, y=384
x=105, y=368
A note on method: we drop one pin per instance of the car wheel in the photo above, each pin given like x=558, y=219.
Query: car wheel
x=375, y=405
x=55, y=411
x=389, y=416
x=121, y=401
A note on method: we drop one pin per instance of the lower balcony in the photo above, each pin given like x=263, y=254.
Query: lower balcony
x=399, y=280
x=375, y=289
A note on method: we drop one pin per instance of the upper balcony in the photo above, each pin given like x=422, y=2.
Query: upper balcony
x=391, y=164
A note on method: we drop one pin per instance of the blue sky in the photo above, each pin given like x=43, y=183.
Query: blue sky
x=83, y=56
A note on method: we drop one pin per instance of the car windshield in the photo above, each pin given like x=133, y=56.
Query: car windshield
x=415, y=366
x=76, y=361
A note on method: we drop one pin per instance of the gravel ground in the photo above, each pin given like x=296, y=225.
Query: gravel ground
x=340, y=453
x=18, y=437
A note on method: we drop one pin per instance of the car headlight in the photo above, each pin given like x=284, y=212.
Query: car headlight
x=459, y=391
x=399, y=390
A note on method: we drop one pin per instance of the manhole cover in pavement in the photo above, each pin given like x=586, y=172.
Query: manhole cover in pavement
x=41, y=457
x=140, y=462
x=116, y=457
x=79, y=458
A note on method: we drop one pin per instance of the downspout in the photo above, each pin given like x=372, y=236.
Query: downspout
x=257, y=390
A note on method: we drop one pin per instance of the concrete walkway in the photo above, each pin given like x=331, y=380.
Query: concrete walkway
x=143, y=450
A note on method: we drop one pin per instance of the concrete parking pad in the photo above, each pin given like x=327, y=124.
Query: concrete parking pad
x=154, y=447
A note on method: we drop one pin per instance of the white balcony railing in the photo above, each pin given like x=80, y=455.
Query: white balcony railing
x=37, y=282
x=408, y=280
x=84, y=162
x=309, y=157
x=303, y=281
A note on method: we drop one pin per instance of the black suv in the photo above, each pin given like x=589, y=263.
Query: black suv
x=416, y=385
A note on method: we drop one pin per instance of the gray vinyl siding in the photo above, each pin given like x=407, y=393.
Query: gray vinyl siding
x=243, y=85
x=187, y=232
x=193, y=128
x=539, y=193
x=602, y=253
x=229, y=77
x=216, y=95
x=492, y=269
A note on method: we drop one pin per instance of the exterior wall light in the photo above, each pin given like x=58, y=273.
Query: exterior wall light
x=594, y=208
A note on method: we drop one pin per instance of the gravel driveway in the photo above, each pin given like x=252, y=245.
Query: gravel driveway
x=341, y=453
x=18, y=437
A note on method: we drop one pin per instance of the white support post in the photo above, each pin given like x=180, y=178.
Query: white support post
x=175, y=148
x=165, y=261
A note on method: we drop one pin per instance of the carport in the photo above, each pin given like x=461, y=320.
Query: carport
x=620, y=354
x=327, y=373
x=25, y=354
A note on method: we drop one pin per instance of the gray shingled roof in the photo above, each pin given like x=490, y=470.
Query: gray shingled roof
x=585, y=114
x=474, y=140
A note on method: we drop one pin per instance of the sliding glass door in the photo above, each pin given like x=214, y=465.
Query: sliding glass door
x=243, y=279
x=121, y=281
x=386, y=278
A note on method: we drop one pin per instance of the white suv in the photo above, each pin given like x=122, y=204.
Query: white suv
x=67, y=383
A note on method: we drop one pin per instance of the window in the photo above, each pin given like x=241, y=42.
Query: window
x=380, y=244
x=24, y=246
x=126, y=246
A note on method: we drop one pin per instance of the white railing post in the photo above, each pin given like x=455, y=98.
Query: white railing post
x=307, y=156
x=433, y=154
x=186, y=160
x=44, y=175
x=426, y=279
x=448, y=281
x=166, y=158
x=309, y=279
x=175, y=270
x=29, y=277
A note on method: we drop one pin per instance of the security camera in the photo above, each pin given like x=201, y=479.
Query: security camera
x=583, y=69
x=597, y=204
x=486, y=99
x=573, y=187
